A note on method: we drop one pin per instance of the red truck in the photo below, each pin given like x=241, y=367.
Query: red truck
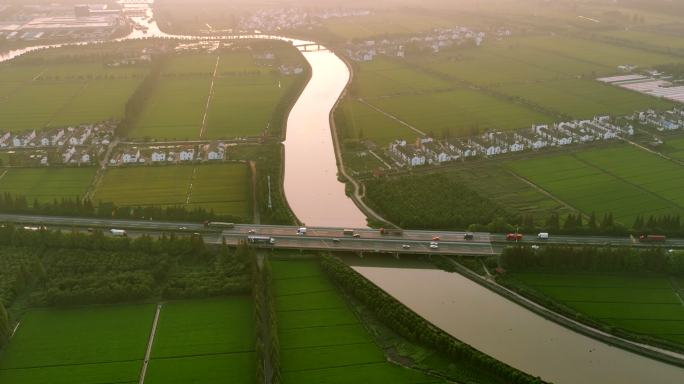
x=514, y=237
x=652, y=239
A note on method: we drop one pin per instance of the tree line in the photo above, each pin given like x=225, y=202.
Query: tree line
x=431, y=201
x=594, y=259
x=410, y=325
x=75, y=268
x=84, y=207
x=267, y=340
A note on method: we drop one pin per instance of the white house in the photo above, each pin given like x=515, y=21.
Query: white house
x=66, y=156
x=158, y=156
x=22, y=141
x=131, y=157
x=4, y=139
x=187, y=155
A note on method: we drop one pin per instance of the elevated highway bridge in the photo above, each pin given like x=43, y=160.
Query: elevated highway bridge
x=362, y=240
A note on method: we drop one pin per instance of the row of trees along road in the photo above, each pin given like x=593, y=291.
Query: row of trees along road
x=588, y=258
x=83, y=207
x=83, y=268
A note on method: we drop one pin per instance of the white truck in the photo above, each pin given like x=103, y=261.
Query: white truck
x=543, y=236
x=301, y=231
x=118, y=232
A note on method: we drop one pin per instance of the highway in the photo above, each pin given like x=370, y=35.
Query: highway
x=330, y=238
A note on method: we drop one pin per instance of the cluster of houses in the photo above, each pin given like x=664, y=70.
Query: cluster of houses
x=671, y=120
x=69, y=145
x=427, y=151
x=274, y=20
x=169, y=154
x=433, y=41
x=145, y=57
x=270, y=59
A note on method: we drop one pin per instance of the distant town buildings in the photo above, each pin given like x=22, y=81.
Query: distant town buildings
x=274, y=20
x=434, y=42
x=37, y=22
x=428, y=150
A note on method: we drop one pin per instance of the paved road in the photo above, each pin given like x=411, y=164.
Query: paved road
x=382, y=245
x=328, y=238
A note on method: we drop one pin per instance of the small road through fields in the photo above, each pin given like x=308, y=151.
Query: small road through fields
x=203, y=129
x=256, y=216
x=150, y=342
x=398, y=120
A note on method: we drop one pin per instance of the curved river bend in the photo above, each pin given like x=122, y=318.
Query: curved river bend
x=461, y=307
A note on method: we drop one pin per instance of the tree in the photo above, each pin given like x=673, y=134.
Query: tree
x=4, y=325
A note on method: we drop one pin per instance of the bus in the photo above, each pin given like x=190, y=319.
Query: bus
x=218, y=224
x=260, y=240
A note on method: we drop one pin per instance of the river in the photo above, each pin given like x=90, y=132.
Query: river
x=461, y=307
x=511, y=333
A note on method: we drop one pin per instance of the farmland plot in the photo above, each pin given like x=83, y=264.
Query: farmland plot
x=644, y=305
x=88, y=345
x=623, y=180
x=321, y=339
x=207, y=341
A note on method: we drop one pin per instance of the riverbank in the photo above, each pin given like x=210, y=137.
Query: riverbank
x=659, y=354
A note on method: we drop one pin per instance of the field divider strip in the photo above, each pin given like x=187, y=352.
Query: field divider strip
x=677, y=289
x=325, y=346
x=660, y=154
x=671, y=203
x=3, y=174
x=370, y=363
x=150, y=342
x=198, y=355
x=547, y=193
x=389, y=115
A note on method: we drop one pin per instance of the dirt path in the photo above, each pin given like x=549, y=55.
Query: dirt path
x=255, y=204
x=651, y=151
x=150, y=342
x=3, y=174
x=188, y=195
x=677, y=289
x=398, y=120
x=99, y=175
x=380, y=159
x=203, y=129
x=15, y=329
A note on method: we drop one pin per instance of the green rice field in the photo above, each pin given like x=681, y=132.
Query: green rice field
x=88, y=345
x=646, y=305
x=223, y=95
x=225, y=188
x=501, y=85
x=38, y=96
x=321, y=340
x=623, y=180
x=204, y=341
x=46, y=184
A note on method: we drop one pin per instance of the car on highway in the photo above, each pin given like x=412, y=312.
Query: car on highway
x=543, y=236
x=406, y=246
x=251, y=231
x=434, y=245
x=514, y=236
x=182, y=228
x=468, y=236
x=357, y=235
x=335, y=240
x=435, y=238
